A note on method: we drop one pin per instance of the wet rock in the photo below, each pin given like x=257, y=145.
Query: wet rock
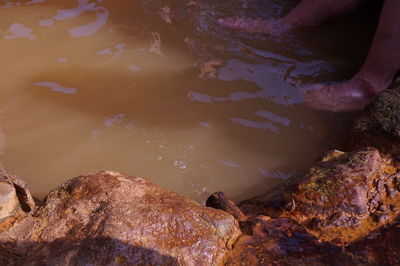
x=391, y=192
x=383, y=208
x=24, y=196
x=8, y=200
x=219, y=200
x=382, y=248
x=281, y=241
x=15, y=199
x=379, y=126
x=380, y=217
x=111, y=218
x=350, y=200
x=338, y=198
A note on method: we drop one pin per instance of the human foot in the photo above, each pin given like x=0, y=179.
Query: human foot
x=306, y=13
x=336, y=97
x=255, y=25
x=380, y=67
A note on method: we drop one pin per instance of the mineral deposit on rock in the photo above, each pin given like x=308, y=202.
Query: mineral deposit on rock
x=109, y=218
x=344, y=197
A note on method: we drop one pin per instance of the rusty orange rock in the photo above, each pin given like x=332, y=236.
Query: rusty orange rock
x=112, y=218
x=379, y=125
x=345, y=196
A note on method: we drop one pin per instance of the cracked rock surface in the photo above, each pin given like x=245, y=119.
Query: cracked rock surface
x=345, y=196
x=108, y=218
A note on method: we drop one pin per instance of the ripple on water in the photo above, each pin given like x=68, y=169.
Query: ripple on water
x=155, y=89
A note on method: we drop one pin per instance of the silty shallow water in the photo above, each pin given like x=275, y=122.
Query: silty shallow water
x=159, y=90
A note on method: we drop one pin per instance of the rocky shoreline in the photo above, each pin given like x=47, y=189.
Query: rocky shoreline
x=342, y=211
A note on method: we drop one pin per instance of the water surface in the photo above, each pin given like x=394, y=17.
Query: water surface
x=158, y=90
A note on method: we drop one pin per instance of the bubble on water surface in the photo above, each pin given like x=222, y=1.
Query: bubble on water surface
x=180, y=164
x=205, y=124
x=228, y=162
x=62, y=59
x=115, y=119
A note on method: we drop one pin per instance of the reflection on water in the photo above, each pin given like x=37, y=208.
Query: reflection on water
x=91, y=85
x=53, y=86
x=17, y=30
x=273, y=121
x=82, y=7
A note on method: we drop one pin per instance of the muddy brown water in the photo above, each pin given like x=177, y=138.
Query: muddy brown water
x=92, y=85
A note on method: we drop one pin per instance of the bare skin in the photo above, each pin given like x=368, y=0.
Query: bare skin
x=381, y=65
x=306, y=13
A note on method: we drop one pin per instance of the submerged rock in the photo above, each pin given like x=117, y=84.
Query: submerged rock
x=111, y=218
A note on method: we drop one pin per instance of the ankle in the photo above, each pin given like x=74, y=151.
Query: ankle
x=370, y=85
x=298, y=21
x=315, y=12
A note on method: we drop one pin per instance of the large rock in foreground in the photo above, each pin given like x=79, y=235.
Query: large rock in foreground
x=111, y=218
x=344, y=197
x=334, y=214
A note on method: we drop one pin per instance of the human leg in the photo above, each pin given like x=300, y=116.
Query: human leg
x=314, y=12
x=382, y=63
x=307, y=12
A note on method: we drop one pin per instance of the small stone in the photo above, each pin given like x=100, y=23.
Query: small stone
x=383, y=208
x=380, y=218
x=393, y=208
x=391, y=192
x=354, y=222
x=8, y=200
x=25, y=200
x=219, y=200
x=380, y=185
